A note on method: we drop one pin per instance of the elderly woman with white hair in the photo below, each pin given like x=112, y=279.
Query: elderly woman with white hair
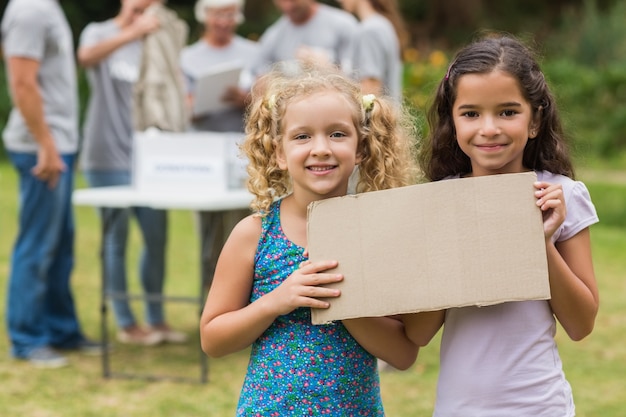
x=219, y=45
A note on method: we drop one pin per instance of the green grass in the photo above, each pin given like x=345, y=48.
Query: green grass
x=595, y=367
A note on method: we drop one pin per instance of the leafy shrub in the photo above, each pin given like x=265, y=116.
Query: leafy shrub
x=421, y=77
x=588, y=69
x=592, y=104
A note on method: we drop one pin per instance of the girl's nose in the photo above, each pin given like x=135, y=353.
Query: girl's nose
x=321, y=146
x=489, y=127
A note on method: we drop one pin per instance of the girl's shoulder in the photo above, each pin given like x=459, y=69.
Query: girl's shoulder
x=548, y=176
x=571, y=187
x=248, y=231
x=256, y=225
x=240, y=248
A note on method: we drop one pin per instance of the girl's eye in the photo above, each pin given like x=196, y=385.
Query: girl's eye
x=337, y=135
x=470, y=114
x=301, y=137
x=509, y=113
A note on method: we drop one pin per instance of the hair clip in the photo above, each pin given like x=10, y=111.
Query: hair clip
x=271, y=102
x=449, y=70
x=368, y=102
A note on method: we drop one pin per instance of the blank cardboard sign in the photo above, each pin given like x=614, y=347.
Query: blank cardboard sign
x=460, y=242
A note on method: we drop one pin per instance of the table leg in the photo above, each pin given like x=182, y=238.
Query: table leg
x=211, y=239
x=107, y=218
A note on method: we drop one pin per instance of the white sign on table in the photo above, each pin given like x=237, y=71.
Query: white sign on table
x=208, y=161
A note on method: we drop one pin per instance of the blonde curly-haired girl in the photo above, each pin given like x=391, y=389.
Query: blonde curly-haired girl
x=304, y=136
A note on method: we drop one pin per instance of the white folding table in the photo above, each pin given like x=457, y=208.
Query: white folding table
x=218, y=202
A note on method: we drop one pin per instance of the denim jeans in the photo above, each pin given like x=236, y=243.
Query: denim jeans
x=153, y=226
x=40, y=306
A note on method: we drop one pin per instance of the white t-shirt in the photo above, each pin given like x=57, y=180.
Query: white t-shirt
x=330, y=31
x=377, y=55
x=502, y=360
x=108, y=128
x=38, y=29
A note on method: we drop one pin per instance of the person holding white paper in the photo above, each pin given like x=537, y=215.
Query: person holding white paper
x=219, y=47
x=304, y=137
x=494, y=113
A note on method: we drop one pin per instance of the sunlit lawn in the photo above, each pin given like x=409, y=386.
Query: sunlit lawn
x=595, y=367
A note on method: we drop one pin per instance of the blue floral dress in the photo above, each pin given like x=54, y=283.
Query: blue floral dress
x=296, y=368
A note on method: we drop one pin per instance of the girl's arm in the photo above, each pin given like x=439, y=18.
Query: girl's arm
x=575, y=298
x=385, y=338
x=229, y=322
x=420, y=328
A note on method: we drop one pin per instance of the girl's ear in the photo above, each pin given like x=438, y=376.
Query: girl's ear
x=533, y=129
x=360, y=152
x=359, y=157
x=280, y=156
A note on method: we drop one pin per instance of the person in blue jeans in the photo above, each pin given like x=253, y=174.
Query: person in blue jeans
x=41, y=140
x=111, y=53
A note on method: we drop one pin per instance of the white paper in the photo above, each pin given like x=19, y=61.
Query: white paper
x=211, y=87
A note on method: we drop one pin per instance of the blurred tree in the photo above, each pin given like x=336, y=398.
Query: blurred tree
x=434, y=23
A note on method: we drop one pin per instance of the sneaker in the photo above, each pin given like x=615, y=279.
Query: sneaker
x=172, y=336
x=138, y=336
x=46, y=357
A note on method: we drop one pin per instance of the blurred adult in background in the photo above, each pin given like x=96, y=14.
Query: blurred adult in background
x=307, y=31
x=219, y=46
x=111, y=53
x=378, y=47
x=41, y=139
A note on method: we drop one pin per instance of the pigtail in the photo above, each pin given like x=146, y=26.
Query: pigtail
x=387, y=148
x=266, y=181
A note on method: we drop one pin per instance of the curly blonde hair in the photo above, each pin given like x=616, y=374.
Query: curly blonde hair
x=386, y=134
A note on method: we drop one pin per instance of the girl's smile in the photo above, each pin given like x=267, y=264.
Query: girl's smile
x=321, y=169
